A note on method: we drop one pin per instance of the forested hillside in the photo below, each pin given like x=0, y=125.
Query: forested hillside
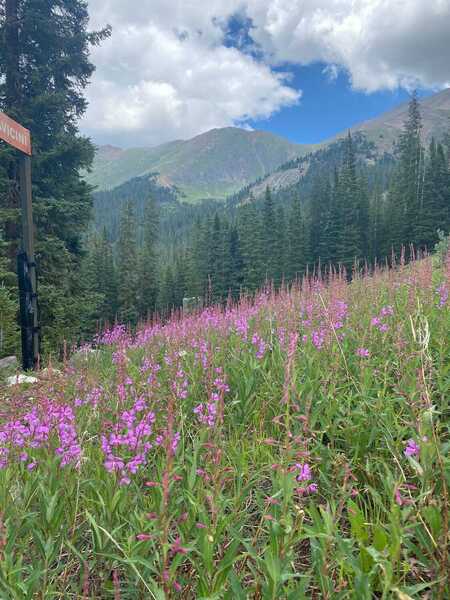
x=211, y=165
x=142, y=247
x=348, y=206
x=235, y=372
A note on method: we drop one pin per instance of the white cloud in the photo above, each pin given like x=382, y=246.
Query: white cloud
x=382, y=43
x=166, y=72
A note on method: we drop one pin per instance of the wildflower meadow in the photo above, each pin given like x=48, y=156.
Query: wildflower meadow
x=293, y=445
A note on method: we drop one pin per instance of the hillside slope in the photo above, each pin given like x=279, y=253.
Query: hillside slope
x=211, y=165
x=384, y=129
x=257, y=442
x=380, y=133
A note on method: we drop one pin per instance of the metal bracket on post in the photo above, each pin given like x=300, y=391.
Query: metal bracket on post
x=17, y=136
x=28, y=291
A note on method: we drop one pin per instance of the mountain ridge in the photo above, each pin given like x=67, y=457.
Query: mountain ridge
x=222, y=161
x=210, y=165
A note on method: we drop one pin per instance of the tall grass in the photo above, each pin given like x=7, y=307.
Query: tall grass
x=292, y=446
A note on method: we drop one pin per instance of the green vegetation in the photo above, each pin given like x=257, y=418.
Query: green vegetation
x=212, y=165
x=44, y=68
x=294, y=446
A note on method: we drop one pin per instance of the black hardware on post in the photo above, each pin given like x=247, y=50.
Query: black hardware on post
x=18, y=137
x=27, y=272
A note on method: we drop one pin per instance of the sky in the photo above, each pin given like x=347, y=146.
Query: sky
x=303, y=69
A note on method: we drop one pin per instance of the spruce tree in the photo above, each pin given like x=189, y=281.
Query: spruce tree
x=44, y=70
x=251, y=236
x=297, y=240
x=148, y=261
x=234, y=265
x=269, y=239
x=9, y=333
x=349, y=241
x=216, y=264
x=434, y=208
x=406, y=194
x=281, y=247
x=101, y=273
x=127, y=266
x=167, y=299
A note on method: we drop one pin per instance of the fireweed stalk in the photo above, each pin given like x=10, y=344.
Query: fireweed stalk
x=102, y=431
x=178, y=392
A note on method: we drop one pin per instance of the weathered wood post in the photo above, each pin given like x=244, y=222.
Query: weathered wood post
x=17, y=136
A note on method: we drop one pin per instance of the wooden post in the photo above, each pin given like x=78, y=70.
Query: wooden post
x=30, y=353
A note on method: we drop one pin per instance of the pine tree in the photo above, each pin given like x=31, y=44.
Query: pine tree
x=434, y=208
x=322, y=248
x=349, y=241
x=297, y=240
x=148, y=261
x=102, y=276
x=9, y=332
x=179, y=281
x=250, y=234
x=216, y=264
x=281, y=247
x=406, y=194
x=44, y=69
x=234, y=263
x=127, y=266
x=167, y=299
x=269, y=238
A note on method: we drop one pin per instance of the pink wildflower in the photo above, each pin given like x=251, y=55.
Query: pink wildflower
x=412, y=448
x=363, y=352
x=305, y=473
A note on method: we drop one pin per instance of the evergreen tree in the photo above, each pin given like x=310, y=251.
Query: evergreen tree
x=406, y=194
x=179, y=281
x=102, y=276
x=434, y=209
x=297, y=240
x=348, y=192
x=281, y=247
x=167, y=299
x=251, y=236
x=216, y=264
x=44, y=69
x=127, y=266
x=269, y=239
x=234, y=263
x=9, y=332
x=148, y=261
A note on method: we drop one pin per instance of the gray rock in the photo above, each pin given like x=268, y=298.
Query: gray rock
x=8, y=362
x=20, y=378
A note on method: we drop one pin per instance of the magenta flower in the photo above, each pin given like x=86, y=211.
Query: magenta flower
x=363, y=352
x=387, y=311
x=412, y=448
x=442, y=290
x=305, y=473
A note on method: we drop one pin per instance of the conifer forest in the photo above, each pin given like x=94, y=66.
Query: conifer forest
x=243, y=392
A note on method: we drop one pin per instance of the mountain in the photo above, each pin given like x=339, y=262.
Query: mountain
x=383, y=130
x=221, y=162
x=211, y=165
x=380, y=133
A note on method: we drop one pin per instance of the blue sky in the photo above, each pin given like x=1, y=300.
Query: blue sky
x=173, y=69
x=327, y=106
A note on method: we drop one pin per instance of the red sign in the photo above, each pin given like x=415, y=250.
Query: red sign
x=14, y=134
